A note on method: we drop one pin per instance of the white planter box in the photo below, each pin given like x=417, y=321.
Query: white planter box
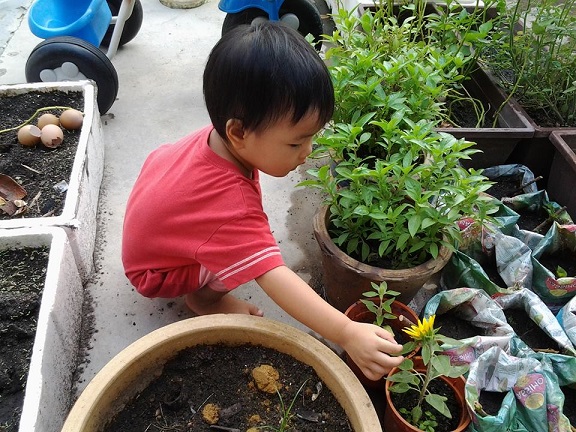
x=78, y=216
x=56, y=344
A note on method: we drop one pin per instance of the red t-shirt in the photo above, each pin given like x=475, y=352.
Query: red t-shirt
x=189, y=208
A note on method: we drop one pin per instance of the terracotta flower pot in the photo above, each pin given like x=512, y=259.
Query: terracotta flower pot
x=359, y=312
x=134, y=367
x=393, y=420
x=345, y=279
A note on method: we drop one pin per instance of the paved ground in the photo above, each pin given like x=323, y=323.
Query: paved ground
x=11, y=14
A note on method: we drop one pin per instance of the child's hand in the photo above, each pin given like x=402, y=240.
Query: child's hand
x=372, y=348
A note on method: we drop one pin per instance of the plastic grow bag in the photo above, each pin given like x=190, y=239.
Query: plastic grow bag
x=512, y=172
x=535, y=202
x=481, y=311
x=554, y=289
x=532, y=402
x=539, y=312
x=567, y=319
x=511, y=257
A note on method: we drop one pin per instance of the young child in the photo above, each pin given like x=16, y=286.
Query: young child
x=268, y=93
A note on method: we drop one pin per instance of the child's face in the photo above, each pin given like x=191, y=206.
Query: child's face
x=280, y=148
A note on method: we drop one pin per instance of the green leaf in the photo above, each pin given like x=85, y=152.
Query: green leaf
x=441, y=364
x=416, y=414
x=426, y=353
x=399, y=388
x=414, y=224
x=438, y=403
x=406, y=377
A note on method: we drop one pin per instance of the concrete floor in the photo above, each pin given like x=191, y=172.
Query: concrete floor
x=159, y=100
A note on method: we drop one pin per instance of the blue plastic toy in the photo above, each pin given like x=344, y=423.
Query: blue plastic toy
x=73, y=31
x=84, y=19
x=302, y=15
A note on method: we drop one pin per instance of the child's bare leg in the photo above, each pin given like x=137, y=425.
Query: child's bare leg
x=206, y=301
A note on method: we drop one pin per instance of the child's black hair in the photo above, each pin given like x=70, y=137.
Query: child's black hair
x=263, y=72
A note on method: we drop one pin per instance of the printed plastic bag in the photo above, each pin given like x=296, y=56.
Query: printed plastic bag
x=567, y=319
x=536, y=202
x=532, y=402
x=471, y=265
x=477, y=308
x=513, y=172
x=554, y=288
x=537, y=310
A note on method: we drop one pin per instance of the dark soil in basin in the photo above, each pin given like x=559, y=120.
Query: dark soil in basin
x=530, y=332
x=491, y=401
x=504, y=188
x=455, y=327
x=22, y=273
x=38, y=169
x=530, y=220
x=569, y=404
x=563, y=259
x=204, y=377
x=22, y=277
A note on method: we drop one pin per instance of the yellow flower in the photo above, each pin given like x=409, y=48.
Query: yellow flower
x=424, y=328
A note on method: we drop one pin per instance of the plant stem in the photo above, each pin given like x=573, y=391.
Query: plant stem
x=427, y=379
x=38, y=111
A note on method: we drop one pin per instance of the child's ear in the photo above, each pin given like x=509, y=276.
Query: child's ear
x=235, y=133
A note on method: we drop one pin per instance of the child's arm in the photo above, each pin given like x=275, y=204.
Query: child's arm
x=367, y=344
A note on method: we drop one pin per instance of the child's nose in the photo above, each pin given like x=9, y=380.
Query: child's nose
x=307, y=149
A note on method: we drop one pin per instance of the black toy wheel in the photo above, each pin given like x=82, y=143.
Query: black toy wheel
x=307, y=13
x=131, y=26
x=67, y=58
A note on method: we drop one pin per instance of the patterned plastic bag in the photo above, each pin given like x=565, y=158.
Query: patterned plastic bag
x=532, y=401
x=554, y=288
x=477, y=308
x=537, y=310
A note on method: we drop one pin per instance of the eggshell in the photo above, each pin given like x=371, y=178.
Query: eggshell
x=29, y=135
x=46, y=119
x=52, y=136
x=71, y=119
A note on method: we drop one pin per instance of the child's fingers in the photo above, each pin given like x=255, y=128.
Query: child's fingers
x=381, y=366
x=391, y=348
x=388, y=337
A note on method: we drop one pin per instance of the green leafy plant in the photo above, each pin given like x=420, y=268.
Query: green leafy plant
x=382, y=309
x=398, y=70
x=286, y=414
x=397, y=211
x=396, y=187
x=532, y=52
x=436, y=365
x=427, y=423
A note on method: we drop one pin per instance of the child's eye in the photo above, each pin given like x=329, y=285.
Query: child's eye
x=295, y=145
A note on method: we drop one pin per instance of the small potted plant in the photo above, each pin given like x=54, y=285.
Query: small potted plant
x=380, y=307
x=425, y=407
